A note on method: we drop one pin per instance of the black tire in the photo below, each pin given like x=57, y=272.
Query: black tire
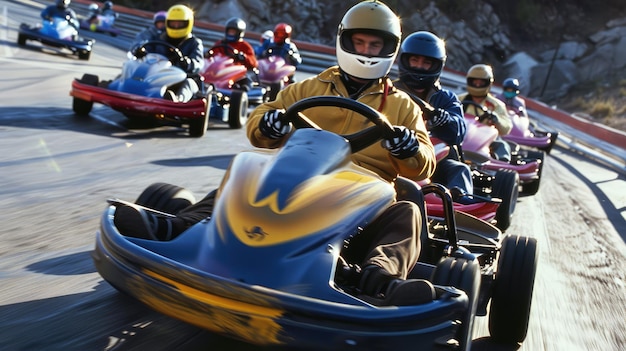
x=533, y=187
x=166, y=198
x=512, y=292
x=82, y=107
x=21, y=40
x=506, y=187
x=238, y=111
x=274, y=89
x=84, y=55
x=198, y=127
x=464, y=275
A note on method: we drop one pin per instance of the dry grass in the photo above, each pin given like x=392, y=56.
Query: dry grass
x=605, y=103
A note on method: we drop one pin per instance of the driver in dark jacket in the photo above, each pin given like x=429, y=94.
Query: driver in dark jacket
x=178, y=25
x=60, y=10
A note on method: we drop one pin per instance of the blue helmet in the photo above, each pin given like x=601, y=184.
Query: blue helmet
x=510, y=88
x=239, y=27
x=426, y=44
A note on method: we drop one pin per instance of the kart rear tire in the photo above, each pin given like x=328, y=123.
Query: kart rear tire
x=21, y=39
x=506, y=187
x=533, y=187
x=464, y=275
x=166, y=198
x=238, y=111
x=512, y=292
x=83, y=107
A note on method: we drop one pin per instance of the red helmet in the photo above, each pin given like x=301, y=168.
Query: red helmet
x=282, y=32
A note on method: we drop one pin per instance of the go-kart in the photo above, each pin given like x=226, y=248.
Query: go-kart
x=101, y=23
x=527, y=133
x=274, y=73
x=235, y=87
x=58, y=33
x=494, y=193
x=138, y=92
x=476, y=150
x=266, y=268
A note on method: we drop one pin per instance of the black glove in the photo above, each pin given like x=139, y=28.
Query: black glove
x=185, y=63
x=272, y=126
x=403, y=144
x=438, y=118
x=492, y=118
x=139, y=51
x=488, y=117
x=240, y=56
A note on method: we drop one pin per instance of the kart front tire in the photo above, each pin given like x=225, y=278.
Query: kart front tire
x=83, y=107
x=533, y=187
x=238, y=111
x=512, y=292
x=506, y=187
x=21, y=39
x=462, y=274
x=166, y=198
x=198, y=127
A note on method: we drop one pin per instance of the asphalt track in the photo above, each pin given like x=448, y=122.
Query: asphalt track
x=57, y=170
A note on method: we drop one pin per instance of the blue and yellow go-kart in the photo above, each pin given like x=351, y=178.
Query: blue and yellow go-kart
x=58, y=33
x=264, y=268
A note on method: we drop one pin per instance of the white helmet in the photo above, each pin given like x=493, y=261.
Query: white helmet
x=369, y=17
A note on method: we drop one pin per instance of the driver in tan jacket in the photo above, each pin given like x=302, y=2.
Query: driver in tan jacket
x=386, y=250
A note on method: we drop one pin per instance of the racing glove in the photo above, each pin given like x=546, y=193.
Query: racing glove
x=491, y=117
x=272, y=126
x=403, y=144
x=488, y=117
x=438, y=118
x=139, y=51
x=184, y=63
x=240, y=56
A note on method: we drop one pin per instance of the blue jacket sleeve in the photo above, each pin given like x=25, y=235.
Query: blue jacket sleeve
x=194, y=50
x=453, y=132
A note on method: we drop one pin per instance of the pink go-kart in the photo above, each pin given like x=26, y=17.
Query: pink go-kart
x=476, y=151
x=495, y=194
x=274, y=73
x=526, y=133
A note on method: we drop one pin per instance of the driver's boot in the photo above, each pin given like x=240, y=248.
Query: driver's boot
x=136, y=222
x=387, y=290
x=170, y=95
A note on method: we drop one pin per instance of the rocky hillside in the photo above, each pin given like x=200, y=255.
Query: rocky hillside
x=568, y=53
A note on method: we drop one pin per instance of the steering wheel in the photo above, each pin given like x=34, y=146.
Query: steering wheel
x=172, y=53
x=485, y=112
x=382, y=128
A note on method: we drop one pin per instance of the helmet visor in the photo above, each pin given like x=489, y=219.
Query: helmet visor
x=478, y=82
x=510, y=94
x=368, y=42
x=177, y=24
x=421, y=64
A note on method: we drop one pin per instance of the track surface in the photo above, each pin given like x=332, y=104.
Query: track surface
x=58, y=169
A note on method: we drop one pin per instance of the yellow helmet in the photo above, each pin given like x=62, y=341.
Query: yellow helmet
x=179, y=21
x=479, y=80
